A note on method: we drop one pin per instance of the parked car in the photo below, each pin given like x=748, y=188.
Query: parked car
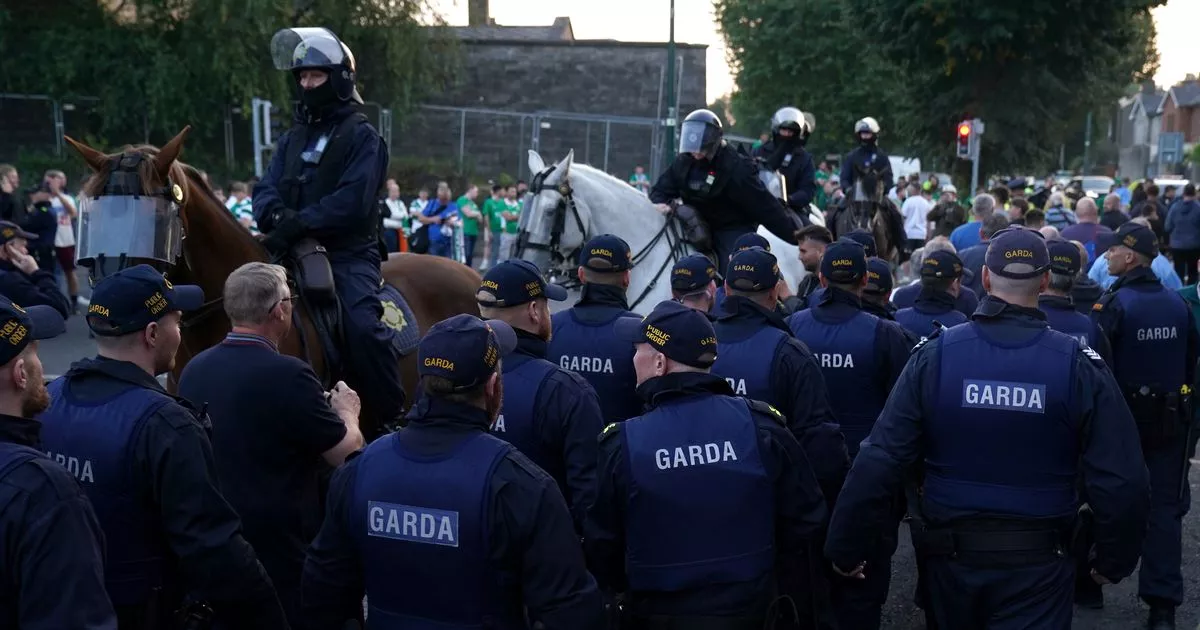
x=1094, y=186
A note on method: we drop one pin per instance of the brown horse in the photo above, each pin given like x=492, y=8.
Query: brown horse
x=215, y=244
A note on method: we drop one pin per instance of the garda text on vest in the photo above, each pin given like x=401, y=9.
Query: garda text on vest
x=594, y=365
x=1005, y=396
x=694, y=455
x=413, y=524
x=80, y=469
x=1163, y=333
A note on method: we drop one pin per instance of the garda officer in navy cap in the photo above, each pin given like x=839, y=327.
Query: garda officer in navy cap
x=706, y=504
x=760, y=359
x=1055, y=301
x=861, y=357
x=941, y=280
x=1154, y=344
x=52, y=538
x=145, y=461
x=863, y=238
x=441, y=523
x=1005, y=415
x=552, y=415
x=876, y=295
x=583, y=340
x=744, y=242
x=694, y=281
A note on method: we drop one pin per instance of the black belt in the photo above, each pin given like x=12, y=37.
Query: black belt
x=996, y=543
x=684, y=622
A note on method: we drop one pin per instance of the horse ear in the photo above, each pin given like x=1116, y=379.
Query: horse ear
x=170, y=151
x=536, y=164
x=565, y=165
x=94, y=159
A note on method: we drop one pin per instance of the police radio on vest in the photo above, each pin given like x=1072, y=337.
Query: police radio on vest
x=595, y=365
x=694, y=455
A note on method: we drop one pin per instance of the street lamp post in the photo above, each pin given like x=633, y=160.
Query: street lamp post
x=672, y=114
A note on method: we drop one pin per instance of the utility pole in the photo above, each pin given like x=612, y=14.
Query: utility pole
x=1087, y=143
x=671, y=123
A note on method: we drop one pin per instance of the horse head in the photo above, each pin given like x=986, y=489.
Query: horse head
x=553, y=225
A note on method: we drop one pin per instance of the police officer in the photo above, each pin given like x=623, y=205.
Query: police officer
x=863, y=238
x=866, y=163
x=707, y=508
x=744, y=242
x=694, y=281
x=760, y=359
x=21, y=279
x=322, y=183
x=144, y=459
x=861, y=356
x=941, y=280
x=785, y=153
x=582, y=339
x=966, y=302
x=52, y=561
x=1154, y=344
x=879, y=288
x=552, y=415
x=721, y=185
x=1056, y=302
x=441, y=523
x=971, y=397
x=813, y=241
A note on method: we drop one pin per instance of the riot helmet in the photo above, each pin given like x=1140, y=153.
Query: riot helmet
x=700, y=133
x=316, y=48
x=867, y=131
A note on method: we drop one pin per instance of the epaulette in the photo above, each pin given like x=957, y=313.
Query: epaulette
x=1104, y=300
x=937, y=331
x=767, y=410
x=610, y=430
x=1092, y=354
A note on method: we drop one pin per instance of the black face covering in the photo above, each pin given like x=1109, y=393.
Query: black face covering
x=320, y=98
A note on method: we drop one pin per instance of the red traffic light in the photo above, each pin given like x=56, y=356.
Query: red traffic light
x=964, y=129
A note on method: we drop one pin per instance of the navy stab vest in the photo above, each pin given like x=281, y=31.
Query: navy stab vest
x=93, y=441
x=523, y=378
x=1151, y=345
x=745, y=357
x=920, y=322
x=1072, y=323
x=692, y=465
x=846, y=353
x=429, y=515
x=1003, y=437
x=594, y=352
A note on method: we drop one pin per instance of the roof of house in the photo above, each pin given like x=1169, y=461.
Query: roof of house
x=1149, y=102
x=1186, y=94
x=559, y=31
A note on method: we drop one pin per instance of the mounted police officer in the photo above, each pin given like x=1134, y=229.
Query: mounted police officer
x=721, y=186
x=1056, y=302
x=144, y=459
x=973, y=396
x=662, y=529
x=866, y=165
x=583, y=340
x=52, y=538
x=785, y=153
x=941, y=280
x=441, y=524
x=552, y=415
x=322, y=183
x=861, y=356
x=694, y=281
x=1154, y=344
x=759, y=357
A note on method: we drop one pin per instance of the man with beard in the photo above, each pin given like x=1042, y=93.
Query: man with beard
x=441, y=523
x=552, y=415
x=813, y=241
x=144, y=459
x=271, y=451
x=52, y=558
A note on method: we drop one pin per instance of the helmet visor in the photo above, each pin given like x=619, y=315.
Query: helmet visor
x=696, y=137
x=309, y=47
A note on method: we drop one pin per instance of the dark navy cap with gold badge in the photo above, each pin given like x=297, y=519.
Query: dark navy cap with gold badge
x=844, y=261
x=750, y=239
x=132, y=298
x=1064, y=257
x=464, y=349
x=21, y=326
x=693, y=273
x=1017, y=253
x=879, y=277
x=753, y=269
x=515, y=282
x=683, y=334
x=1134, y=236
x=606, y=253
x=941, y=264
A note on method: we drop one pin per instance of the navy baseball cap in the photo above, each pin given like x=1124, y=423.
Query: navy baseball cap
x=754, y=269
x=750, y=239
x=10, y=230
x=20, y=326
x=464, y=349
x=683, y=334
x=1135, y=236
x=844, y=261
x=515, y=282
x=1017, y=253
x=132, y=298
x=879, y=277
x=941, y=264
x=1064, y=257
x=864, y=238
x=692, y=273
x=606, y=253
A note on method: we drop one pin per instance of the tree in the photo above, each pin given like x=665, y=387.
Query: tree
x=814, y=55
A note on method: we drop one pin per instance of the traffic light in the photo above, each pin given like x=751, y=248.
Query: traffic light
x=963, y=140
x=279, y=123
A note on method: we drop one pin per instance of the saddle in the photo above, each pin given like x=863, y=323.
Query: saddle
x=308, y=265
x=695, y=229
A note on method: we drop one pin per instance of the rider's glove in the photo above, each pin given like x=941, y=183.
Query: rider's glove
x=285, y=234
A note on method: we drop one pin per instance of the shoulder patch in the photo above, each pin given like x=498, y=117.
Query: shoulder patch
x=1104, y=300
x=611, y=429
x=1091, y=354
x=937, y=331
x=767, y=410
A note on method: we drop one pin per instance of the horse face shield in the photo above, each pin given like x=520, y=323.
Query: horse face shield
x=125, y=227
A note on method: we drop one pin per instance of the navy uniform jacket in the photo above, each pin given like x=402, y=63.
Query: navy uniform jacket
x=1058, y=308
x=597, y=307
x=1114, y=472
x=800, y=511
x=531, y=533
x=797, y=167
x=566, y=421
x=930, y=306
x=1085, y=293
x=214, y=561
x=864, y=156
x=973, y=258
x=1109, y=313
x=735, y=200
x=966, y=302
x=347, y=208
x=39, y=289
x=51, y=557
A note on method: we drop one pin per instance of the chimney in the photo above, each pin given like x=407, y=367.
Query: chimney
x=477, y=13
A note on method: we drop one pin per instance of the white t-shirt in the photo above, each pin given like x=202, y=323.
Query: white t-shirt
x=915, y=209
x=65, y=236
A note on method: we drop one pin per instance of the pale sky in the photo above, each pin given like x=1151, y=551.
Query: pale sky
x=649, y=21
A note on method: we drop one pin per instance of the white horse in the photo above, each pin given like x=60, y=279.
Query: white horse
x=578, y=202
